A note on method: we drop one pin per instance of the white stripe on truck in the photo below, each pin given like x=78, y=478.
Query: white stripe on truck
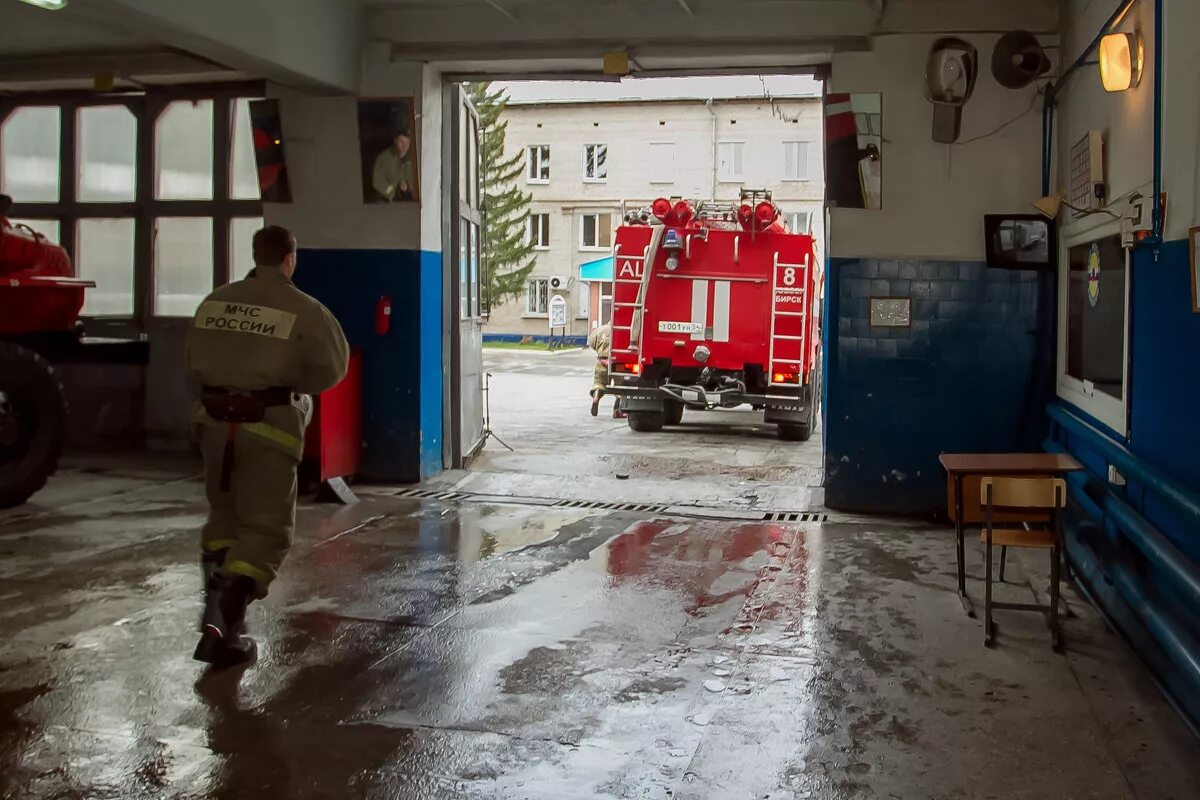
x=721, y=312
x=699, y=308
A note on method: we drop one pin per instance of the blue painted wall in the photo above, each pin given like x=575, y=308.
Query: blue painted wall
x=402, y=371
x=965, y=377
x=1165, y=373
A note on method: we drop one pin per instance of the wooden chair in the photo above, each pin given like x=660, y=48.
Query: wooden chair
x=1035, y=496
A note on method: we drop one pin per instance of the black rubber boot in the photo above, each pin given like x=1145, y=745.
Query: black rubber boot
x=596, y=402
x=224, y=639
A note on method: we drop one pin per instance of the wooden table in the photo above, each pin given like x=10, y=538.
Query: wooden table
x=960, y=465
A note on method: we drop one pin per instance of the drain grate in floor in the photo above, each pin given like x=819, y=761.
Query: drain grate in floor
x=428, y=494
x=639, y=508
x=795, y=516
x=595, y=505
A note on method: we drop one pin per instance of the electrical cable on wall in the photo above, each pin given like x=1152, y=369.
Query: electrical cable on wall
x=1032, y=105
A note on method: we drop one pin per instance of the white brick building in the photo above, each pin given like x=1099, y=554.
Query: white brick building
x=592, y=150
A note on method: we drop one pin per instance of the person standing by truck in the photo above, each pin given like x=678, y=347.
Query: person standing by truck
x=601, y=341
x=260, y=348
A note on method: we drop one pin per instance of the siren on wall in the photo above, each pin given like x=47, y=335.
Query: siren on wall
x=1018, y=59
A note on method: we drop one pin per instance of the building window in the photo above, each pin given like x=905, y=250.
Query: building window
x=800, y=222
x=595, y=162
x=107, y=154
x=795, y=161
x=104, y=254
x=183, y=265
x=243, y=170
x=50, y=228
x=537, y=163
x=662, y=162
x=1093, y=318
x=595, y=232
x=731, y=161
x=29, y=155
x=183, y=160
x=537, y=298
x=241, y=256
x=539, y=231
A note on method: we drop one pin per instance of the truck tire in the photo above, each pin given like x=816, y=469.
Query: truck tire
x=646, y=421
x=33, y=411
x=795, y=432
x=673, y=412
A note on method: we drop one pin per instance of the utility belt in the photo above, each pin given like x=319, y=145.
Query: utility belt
x=240, y=408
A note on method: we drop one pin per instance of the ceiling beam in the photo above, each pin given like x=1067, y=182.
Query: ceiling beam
x=501, y=9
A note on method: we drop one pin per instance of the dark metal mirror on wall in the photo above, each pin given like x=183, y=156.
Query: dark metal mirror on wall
x=854, y=150
x=388, y=145
x=267, y=130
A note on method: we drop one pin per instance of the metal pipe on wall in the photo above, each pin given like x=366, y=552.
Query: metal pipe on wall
x=709, y=105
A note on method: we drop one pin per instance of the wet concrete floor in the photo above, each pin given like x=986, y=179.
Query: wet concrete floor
x=425, y=649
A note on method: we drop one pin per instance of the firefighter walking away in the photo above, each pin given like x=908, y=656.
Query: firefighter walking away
x=601, y=341
x=260, y=348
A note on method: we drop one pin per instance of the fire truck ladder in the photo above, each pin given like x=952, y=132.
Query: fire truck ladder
x=639, y=304
x=793, y=275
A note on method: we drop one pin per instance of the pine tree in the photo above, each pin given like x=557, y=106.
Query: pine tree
x=507, y=255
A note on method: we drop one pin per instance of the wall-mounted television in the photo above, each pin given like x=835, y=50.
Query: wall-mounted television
x=1020, y=241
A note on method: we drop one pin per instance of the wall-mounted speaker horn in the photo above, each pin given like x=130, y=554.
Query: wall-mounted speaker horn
x=1018, y=60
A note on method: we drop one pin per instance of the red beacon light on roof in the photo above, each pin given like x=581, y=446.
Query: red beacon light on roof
x=661, y=208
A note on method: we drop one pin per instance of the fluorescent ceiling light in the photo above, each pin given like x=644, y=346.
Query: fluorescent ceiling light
x=49, y=5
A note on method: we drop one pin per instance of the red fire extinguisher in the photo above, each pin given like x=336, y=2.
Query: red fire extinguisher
x=383, y=316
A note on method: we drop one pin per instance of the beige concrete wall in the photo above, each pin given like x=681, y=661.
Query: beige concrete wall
x=630, y=129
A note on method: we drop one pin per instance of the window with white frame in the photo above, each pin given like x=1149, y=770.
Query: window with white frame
x=662, y=162
x=1093, y=313
x=595, y=162
x=539, y=231
x=731, y=161
x=800, y=222
x=537, y=163
x=595, y=231
x=537, y=297
x=795, y=161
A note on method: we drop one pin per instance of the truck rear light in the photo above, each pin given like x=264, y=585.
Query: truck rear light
x=786, y=377
x=636, y=369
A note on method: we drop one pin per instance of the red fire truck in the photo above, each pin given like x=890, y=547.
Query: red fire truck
x=716, y=305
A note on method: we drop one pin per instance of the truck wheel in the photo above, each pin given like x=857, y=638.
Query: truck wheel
x=646, y=421
x=33, y=410
x=795, y=433
x=674, y=412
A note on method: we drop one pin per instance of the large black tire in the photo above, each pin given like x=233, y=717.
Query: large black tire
x=673, y=412
x=793, y=432
x=646, y=421
x=33, y=415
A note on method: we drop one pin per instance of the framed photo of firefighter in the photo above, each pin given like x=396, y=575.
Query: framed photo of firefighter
x=387, y=142
x=1194, y=249
x=854, y=150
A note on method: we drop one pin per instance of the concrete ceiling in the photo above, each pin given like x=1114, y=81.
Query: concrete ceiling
x=318, y=44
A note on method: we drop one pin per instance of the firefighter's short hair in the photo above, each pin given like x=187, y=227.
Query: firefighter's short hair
x=272, y=245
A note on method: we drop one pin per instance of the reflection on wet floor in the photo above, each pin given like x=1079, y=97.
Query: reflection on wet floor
x=422, y=649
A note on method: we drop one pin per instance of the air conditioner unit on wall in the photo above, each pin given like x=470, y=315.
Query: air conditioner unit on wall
x=558, y=282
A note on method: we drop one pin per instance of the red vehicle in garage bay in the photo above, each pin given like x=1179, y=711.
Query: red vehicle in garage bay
x=716, y=306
